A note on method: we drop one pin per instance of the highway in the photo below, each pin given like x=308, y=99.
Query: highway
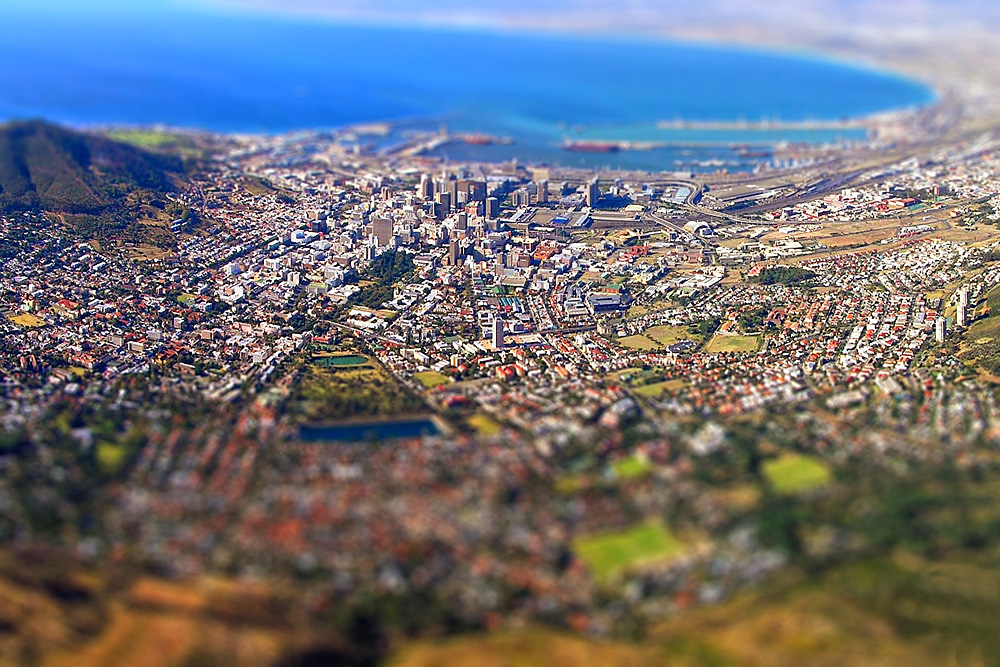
x=673, y=226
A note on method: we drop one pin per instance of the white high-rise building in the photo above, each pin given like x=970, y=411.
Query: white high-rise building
x=961, y=315
x=940, y=330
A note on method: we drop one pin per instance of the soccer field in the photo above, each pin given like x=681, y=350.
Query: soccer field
x=729, y=343
x=610, y=553
x=793, y=473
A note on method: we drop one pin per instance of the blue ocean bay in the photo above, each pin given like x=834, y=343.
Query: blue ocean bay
x=241, y=73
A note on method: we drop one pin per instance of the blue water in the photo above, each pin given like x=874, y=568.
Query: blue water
x=241, y=73
x=370, y=431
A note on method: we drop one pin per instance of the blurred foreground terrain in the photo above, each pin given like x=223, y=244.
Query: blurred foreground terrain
x=770, y=453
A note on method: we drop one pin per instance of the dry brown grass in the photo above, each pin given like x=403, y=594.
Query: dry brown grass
x=536, y=647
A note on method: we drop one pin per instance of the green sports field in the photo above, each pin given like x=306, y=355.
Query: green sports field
x=610, y=553
x=794, y=473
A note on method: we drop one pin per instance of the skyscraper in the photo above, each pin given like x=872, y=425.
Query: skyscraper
x=543, y=192
x=940, y=330
x=382, y=230
x=492, y=208
x=593, y=193
x=426, y=188
x=444, y=198
x=497, y=332
x=962, y=311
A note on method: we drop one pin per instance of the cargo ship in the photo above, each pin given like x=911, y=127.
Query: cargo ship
x=746, y=151
x=591, y=146
x=486, y=140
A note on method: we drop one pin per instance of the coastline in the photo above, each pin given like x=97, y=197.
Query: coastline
x=523, y=125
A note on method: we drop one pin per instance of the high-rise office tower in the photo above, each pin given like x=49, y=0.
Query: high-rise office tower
x=444, y=198
x=454, y=252
x=382, y=231
x=492, y=208
x=497, y=333
x=593, y=193
x=426, y=188
x=542, y=197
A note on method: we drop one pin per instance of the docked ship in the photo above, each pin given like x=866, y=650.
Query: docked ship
x=486, y=140
x=591, y=146
x=746, y=151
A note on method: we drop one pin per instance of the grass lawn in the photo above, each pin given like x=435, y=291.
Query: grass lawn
x=742, y=497
x=639, y=309
x=431, y=378
x=27, y=320
x=484, y=424
x=608, y=554
x=144, y=138
x=638, y=343
x=730, y=343
x=668, y=335
x=794, y=473
x=620, y=376
x=110, y=458
x=569, y=485
x=657, y=338
x=654, y=390
x=631, y=467
x=155, y=140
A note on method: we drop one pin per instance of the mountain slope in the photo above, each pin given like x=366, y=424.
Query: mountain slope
x=47, y=167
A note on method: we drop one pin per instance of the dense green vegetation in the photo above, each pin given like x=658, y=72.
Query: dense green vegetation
x=328, y=395
x=704, y=328
x=386, y=270
x=753, y=319
x=782, y=275
x=96, y=185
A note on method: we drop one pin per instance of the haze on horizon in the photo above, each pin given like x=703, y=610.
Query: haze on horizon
x=892, y=17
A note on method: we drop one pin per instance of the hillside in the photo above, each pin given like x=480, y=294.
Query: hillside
x=97, y=186
x=56, y=169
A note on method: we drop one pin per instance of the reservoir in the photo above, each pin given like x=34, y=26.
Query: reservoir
x=369, y=431
x=341, y=361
